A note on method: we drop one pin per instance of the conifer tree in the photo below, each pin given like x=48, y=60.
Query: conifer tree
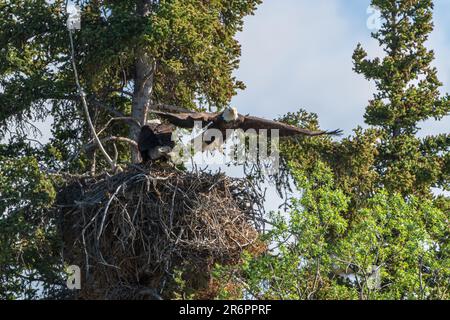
x=407, y=94
x=131, y=56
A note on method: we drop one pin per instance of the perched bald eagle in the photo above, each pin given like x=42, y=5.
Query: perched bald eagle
x=231, y=119
x=155, y=141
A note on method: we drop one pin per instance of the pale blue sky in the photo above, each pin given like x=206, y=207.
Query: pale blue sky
x=297, y=54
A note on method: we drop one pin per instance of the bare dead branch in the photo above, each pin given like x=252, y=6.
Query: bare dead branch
x=127, y=119
x=111, y=110
x=85, y=106
x=93, y=145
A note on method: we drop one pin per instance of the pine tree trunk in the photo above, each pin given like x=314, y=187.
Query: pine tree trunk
x=143, y=83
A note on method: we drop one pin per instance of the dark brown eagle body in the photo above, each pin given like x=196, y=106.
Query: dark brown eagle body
x=155, y=141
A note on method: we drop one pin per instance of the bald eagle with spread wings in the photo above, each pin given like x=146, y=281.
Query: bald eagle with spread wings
x=154, y=140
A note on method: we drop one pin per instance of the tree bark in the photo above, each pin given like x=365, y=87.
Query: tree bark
x=143, y=83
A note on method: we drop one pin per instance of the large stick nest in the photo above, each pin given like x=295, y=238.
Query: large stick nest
x=132, y=231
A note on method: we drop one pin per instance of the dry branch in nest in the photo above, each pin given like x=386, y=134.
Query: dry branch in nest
x=131, y=231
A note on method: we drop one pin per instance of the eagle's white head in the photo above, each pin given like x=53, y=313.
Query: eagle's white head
x=230, y=114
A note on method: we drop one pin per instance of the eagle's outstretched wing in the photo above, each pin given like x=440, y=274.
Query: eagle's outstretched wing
x=186, y=119
x=285, y=130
